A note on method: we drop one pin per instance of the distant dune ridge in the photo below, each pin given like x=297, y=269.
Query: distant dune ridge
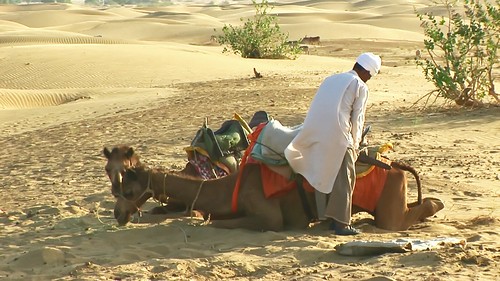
x=75, y=79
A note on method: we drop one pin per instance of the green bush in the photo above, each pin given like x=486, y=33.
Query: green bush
x=259, y=37
x=462, y=51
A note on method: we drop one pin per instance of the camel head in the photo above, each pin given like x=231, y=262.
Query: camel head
x=134, y=192
x=119, y=158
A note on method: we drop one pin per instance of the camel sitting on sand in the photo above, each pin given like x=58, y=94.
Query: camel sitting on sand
x=123, y=157
x=310, y=40
x=137, y=183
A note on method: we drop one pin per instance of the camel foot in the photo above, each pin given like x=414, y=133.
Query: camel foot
x=432, y=206
x=414, y=204
x=437, y=204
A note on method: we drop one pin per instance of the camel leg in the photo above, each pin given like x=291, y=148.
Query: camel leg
x=420, y=212
x=248, y=222
x=428, y=208
x=391, y=207
x=414, y=204
x=296, y=218
x=258, y=213
x=392, y=211
x=262, y=217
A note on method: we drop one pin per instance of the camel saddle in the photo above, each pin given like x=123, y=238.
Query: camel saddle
x=272, y=142
x=222, y=147
x=275, y=137
x=268, y=143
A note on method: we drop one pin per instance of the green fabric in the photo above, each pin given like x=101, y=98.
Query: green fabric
x=225, y=145
x=233, y=138
x=206, y=140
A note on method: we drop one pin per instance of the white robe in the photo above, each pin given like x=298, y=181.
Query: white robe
x=333, y=123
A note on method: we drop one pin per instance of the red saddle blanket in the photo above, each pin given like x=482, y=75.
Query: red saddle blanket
x=368, y=189
x=276, y=185
x=366, y=193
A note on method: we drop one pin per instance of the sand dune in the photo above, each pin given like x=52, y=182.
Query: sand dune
x=55, y=38
x=26, y=99
x=76, y=79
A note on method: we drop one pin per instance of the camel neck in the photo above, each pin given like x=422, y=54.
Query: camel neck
x=210, y=195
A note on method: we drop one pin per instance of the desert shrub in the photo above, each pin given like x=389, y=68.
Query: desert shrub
x=259, y=37
x=462, y=50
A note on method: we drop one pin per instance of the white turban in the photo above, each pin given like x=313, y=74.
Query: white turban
x=370, y=62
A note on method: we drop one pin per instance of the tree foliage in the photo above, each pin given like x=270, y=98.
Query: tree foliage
x=462, y=50
x=259, y=37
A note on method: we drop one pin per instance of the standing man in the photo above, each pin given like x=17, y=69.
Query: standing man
x=325, y=150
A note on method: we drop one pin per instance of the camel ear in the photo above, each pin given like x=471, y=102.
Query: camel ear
x=129, y=153
x=106, y=152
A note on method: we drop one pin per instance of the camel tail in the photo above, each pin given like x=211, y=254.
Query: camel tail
x=412, y=170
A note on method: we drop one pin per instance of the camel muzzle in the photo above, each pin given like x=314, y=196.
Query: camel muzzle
x=122, y=217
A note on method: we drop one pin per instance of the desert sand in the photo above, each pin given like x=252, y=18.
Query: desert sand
x=76, y=79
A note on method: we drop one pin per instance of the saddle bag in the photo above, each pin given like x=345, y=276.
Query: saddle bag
x=223, y=148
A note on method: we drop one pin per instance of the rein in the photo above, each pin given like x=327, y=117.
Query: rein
x=131, y=164
x=148, y=190
x=196, y=197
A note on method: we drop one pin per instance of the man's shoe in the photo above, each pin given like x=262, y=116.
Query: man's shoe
x=348, y=230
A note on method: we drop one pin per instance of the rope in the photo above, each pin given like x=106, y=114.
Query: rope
x=196, y=198
x=97, y=215
x=272, y=150
x=164, y=189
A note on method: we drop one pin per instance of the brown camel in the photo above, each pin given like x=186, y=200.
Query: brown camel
x=310, y=40
x=138, y=183
x=123, y=157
